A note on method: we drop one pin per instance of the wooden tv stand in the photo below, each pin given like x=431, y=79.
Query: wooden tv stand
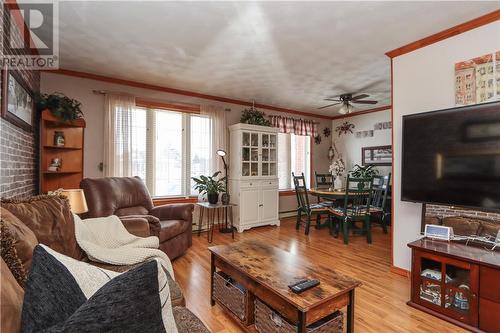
x=457, y=283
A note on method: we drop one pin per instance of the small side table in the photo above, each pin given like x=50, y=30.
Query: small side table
x=211, y=210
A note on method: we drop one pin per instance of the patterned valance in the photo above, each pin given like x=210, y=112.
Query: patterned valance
x=295, y=126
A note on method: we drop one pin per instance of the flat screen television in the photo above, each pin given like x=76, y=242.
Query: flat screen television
x=452, y=157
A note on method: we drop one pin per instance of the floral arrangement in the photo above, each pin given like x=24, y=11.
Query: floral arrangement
x=337, y=168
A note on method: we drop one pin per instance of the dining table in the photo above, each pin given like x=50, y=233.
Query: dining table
x=332, y=194
x=327, y=193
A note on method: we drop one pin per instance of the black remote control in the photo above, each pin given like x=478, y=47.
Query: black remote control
x=303, y=285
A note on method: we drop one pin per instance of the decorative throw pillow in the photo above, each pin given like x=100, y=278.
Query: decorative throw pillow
x=50, y=218
x=23, y=238
x=65, y=295
x=11, y=300
x=9, y=255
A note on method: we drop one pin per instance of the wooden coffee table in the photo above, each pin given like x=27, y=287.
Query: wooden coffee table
x=266, y=271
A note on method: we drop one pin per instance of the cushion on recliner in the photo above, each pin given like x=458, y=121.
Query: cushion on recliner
x=136, y=210
x=462, y=226
x=172, y=228
x=106, y=196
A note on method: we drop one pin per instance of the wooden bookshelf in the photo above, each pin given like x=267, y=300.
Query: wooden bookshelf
x=71, y=154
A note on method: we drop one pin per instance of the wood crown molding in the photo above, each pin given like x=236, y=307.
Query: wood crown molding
x=354, y=114
x=453, y=31
x=400, y=271
x=148, y=86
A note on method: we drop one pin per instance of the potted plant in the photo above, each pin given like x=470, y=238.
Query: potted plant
x=363, y=172
x=210, y=186
x=254, y=117
x=59, y=105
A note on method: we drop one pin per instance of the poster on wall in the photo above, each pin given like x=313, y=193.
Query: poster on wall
x=478, y=80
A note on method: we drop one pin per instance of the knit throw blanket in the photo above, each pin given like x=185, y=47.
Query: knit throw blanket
x=106, y=240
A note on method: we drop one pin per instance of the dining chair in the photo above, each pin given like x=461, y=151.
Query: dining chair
x=378, y=201
x=324, y=181
x=356, y=207
x=303, y=205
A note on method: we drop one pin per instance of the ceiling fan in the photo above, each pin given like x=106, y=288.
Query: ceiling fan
x=346, y=100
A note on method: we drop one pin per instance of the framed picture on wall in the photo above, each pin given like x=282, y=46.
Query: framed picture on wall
x=18, y=105
x=379, y=155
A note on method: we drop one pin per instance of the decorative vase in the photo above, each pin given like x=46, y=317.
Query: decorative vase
x=337, y=183
x=225, y=198
x=213, y=198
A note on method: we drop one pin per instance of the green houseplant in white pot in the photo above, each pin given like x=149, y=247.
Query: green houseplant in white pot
x=210, y=186
x=363, y=172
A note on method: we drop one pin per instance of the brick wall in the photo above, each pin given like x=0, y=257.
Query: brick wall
x=19, y=148
x=446, y=211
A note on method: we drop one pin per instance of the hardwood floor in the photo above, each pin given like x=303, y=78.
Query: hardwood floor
x=380, y=301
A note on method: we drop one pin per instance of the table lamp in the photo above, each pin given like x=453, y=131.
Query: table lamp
x=76, y=199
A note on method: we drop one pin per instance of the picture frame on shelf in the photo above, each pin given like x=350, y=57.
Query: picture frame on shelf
x=378, y=155
x=17, y=103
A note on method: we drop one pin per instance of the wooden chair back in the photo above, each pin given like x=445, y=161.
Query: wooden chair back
x=301, y=192
x=380, y=191
x=323, y=180
x=357, y=197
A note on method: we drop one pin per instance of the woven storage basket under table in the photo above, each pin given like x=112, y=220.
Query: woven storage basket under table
x=269, y=321
x=232, y=295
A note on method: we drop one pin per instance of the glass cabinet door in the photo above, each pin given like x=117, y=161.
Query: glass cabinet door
x=457, y=289
x=245, y=154
x=448, y=286
x=430, y=281
x=268, y=154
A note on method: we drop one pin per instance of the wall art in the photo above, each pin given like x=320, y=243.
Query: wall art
x=364, y=134
x=18, y=105
x=385, y=125
x=478, y=80
x=345, y=128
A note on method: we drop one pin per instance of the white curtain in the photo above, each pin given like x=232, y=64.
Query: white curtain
x=218, y=135
x=118, y=135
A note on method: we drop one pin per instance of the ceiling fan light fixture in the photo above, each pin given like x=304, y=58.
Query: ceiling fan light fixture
x=345, y=109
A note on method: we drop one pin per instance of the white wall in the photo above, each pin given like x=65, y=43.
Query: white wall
x=93, y=110
x=423, y=80
x=350, y=146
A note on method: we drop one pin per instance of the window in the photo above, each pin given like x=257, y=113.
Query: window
x=168, y=149
x=293, y=156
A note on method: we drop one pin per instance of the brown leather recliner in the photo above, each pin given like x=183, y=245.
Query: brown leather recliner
x=129, y=199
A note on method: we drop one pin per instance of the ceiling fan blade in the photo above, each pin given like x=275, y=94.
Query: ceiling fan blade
x=333, y=99
x=360, y=97
x=365, y=102
x=327, y=106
